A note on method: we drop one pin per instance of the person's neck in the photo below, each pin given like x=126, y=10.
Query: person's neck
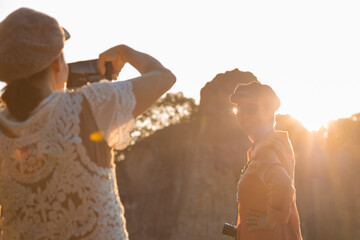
x=46, y=86
x=260, y=133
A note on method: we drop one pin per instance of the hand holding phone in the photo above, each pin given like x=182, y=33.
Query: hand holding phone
x=117, y=56
x=84, y=72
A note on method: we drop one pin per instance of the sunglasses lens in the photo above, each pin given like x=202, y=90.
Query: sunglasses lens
x=249, y=110
x=252, y=110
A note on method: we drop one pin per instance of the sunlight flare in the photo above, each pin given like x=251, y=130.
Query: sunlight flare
x=234, y=110
x=97, y=136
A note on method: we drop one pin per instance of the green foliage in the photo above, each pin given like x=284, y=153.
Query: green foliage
x=172, y=109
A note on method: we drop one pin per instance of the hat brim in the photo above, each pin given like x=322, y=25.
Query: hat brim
x=236, y=97
x=66, y=33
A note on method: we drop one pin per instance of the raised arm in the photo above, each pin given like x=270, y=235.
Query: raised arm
x=279, y=184
x=154, y=81
x=280, y=192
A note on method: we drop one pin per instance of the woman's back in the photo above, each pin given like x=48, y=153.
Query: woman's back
x=54, y=182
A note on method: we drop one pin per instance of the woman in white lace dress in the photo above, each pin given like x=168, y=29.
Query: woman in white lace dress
x=55, y=183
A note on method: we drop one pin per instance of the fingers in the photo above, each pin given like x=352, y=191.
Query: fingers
x=114, y=76
x=252, y=228
x=101, y=64
x=118, y=65
x=255, y=213
x=252, y=220
x=116, y=62
x=111, y=55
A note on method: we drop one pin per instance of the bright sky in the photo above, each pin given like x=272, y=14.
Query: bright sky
x=308, y=51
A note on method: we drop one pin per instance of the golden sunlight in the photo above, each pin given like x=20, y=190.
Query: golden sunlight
x=314, y=124
x=235, y=110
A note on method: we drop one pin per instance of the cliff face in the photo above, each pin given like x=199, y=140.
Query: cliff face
x=180, y=183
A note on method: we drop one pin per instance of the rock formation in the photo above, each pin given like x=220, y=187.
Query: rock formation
x=180, y=183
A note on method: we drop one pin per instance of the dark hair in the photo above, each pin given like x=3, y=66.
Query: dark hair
x=21, y=97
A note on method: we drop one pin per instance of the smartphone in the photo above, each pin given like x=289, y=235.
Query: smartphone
x=85, y=72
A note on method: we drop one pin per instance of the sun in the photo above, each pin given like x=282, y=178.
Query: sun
x=314, y=124
x=312, y=118
x=314, y=108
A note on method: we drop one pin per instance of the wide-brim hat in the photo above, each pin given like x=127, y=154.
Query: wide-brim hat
x=257, y=91
x=29, y=42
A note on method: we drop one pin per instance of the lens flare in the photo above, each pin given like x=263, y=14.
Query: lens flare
x=235, y=110
x=97, y=136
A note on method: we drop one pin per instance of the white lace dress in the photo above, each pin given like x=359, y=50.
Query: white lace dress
x=49, y=186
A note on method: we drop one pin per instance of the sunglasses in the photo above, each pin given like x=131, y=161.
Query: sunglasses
x=249, y=110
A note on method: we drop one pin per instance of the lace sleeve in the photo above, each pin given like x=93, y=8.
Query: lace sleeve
x=112, y=104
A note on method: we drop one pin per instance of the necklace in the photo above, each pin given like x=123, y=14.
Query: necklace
x=243, y=170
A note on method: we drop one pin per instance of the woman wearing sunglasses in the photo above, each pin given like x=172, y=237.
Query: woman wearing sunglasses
x=266, y=194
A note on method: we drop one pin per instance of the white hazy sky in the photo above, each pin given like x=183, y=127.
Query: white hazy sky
x=308, y=51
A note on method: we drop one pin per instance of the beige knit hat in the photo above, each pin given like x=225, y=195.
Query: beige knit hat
x=29, y=42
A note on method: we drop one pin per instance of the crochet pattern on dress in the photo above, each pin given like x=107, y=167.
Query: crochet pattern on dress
x=49, y=187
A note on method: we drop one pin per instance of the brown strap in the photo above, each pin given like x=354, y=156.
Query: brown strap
x=6, y=131
x=98, y=152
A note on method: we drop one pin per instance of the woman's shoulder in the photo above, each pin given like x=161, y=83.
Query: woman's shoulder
x=104, y=90
x=276, y=149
